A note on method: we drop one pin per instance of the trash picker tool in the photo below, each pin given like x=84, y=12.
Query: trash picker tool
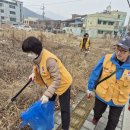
x=14, y=98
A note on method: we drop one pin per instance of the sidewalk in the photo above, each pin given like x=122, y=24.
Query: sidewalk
x=57, y=114
x=123, y=124
x=102, y=122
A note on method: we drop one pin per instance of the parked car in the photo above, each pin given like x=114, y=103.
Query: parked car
x=25, y=27
x=15, y=26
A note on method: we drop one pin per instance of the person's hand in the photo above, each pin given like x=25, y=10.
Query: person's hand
x=32, y=76
x=44, y=99
x=89, y=94
x=129, y=107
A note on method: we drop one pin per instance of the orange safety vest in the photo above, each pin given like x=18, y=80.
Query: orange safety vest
x=111, y=89
x=86, y=44
x=66, y=78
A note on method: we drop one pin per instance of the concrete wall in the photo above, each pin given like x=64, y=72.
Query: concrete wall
x=73, y=30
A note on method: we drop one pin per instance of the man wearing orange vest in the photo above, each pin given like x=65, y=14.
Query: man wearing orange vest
x=48, y=71
x=113, y=91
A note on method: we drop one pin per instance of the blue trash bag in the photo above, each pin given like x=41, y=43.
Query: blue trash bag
x=39, y=116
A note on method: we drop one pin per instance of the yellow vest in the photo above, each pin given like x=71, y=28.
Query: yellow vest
x=111, y=89
x=66, y=78
x=86, y=44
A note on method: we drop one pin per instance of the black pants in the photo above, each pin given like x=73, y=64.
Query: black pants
x=64, y=100
x=113, y=117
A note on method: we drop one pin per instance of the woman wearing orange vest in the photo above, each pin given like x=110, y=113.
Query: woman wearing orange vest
x=85, y=43
x=113, y=91
x=48, y=71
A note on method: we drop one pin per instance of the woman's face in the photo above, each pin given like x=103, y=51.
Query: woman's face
x=32, y=55
x=122, y=54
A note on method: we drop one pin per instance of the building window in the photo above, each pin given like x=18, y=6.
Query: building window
x=119, y=16
x=1, y=4
x=2, y=11
x=100, y=32
x=110, y=23
x=104, y=22
x=99, y=21
x=12, y=6
x=2, y=17
x=12, y=12
x=13, y=19
x=115, y=33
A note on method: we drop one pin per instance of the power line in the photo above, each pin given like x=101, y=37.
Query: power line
x=62, y=2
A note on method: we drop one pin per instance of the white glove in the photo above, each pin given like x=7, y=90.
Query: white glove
x=89, y=94
x=32, y=76
x=44, y=99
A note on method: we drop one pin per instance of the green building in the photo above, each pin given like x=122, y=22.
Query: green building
x=106, y=23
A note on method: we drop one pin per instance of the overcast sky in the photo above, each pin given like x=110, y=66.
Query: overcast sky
x=67, y=7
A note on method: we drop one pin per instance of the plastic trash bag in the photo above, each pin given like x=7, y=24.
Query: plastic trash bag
x=39, y=116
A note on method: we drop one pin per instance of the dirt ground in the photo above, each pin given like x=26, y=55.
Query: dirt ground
x=16, y=66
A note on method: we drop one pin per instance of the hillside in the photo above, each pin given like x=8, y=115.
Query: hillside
x=28, y=13
x=48, y=14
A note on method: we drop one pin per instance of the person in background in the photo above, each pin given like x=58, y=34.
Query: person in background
x=85, y=42
x=113, y=91
x=48, y=71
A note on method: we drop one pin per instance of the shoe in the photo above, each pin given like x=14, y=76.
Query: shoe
x=95, y=121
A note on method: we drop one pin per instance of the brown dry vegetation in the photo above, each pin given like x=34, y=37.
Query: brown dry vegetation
x=15, y=68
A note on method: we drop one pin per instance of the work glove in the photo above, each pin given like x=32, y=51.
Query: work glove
x=129, y=107
x=32, y=76
x=44, y=99
x=89, y=94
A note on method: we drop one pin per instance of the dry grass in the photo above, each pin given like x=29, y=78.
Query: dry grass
x=15, y=68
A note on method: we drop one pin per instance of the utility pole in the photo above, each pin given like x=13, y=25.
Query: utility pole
x=0, y=19
x=128, y=3
x=128, y=27
x=43, y=13
x=43, y=16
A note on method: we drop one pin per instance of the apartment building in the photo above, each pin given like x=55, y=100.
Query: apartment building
x=105, y=23
x=11, y=11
